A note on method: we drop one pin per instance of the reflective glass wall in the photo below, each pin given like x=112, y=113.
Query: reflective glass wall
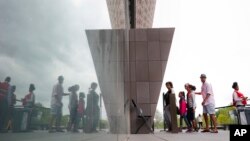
x=41, y=40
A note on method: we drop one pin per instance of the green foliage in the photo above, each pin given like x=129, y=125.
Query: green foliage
x=38, y=104
x=158, y=125
x=158, y=120
x=65, y=120
x=40, y=116
x=223, y=116
x=103, y=124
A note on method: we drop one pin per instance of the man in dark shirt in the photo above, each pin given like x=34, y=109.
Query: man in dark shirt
x=167, y=115
x=92, y=109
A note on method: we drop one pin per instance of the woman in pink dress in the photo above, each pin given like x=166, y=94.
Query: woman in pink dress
x=183, y=110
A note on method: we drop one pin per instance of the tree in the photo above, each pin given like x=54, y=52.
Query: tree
x=65, y=120
x=158, y=120
x=223, y=116
x=103, y=124
x=38, y=104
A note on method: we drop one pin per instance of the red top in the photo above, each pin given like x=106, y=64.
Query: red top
x=4, y=87
x=26, y=98
x=81, y=106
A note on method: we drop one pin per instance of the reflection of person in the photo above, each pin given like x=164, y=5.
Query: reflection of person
x=56, y=105
x=81, y=109
x=12, y=96
x=73, y=104
x=92, y=109
x=208, y=104
x=4, y=92
x=167, y=115
x=239, y=100
x=11, y=103
x=29, y=102
x=29, y=99
x=183, y=110
x=199, y=119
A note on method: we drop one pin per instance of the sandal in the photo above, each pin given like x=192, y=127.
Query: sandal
x=205, y=130
x=214, y=131
x=189, y=131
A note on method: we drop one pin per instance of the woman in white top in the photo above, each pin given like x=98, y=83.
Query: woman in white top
x=239, y=100
x=29, y=99
x=191, y=107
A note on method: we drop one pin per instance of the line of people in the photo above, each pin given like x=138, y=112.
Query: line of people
x=79, y=112
x=187, y=105
x=89, y=116
x=8, y=101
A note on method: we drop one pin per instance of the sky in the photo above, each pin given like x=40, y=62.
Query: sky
x=211, y=37
x=41, y=39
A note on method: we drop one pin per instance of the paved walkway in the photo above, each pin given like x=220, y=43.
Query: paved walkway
x=159, y=136
x=162, y=136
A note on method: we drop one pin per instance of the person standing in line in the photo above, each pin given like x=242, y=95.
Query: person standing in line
x=199, y=119
x=29, y=99
x=29, y=103
x=92, y=109
x=73, y=105
x=57, y=105
x=167, y=115
x=183, y=110
x=4, y=93
x=208, y=104
x=11, y=104
x=12, y=98
x=81, y=109
x=239, y=101
x=191, y=104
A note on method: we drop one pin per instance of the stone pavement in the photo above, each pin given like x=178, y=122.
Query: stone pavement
x=158, y=136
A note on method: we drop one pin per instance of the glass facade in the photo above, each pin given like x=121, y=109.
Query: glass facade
x=85, y=73
x=43, y=39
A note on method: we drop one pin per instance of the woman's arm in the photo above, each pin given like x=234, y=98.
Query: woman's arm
x=198, y=93
x=194, y=101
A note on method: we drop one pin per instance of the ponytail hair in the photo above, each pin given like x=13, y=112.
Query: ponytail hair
x=192, y=87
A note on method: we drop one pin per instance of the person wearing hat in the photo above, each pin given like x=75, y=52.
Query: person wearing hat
x=239, y=101
x=208, y=103
x=81, y=109
x=57, y=105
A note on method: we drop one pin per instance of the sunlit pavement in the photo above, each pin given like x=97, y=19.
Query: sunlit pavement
x=102, y=136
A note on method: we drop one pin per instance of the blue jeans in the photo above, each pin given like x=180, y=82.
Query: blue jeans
x=186, y=121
